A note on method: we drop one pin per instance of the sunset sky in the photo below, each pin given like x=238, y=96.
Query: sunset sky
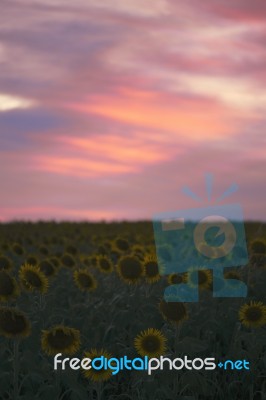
x=108, y=108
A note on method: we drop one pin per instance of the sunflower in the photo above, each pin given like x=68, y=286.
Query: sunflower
x=104, y=264
x=130, y=269
x=32, y=278
x=138, y=250
x=96, y=375
x=258, y=246
x=173, y=311
x=253, y=315
x=13, y=323
x=151, y=269
x=48, y=268
x=84, y=280
x=121, y=244
x=17, y=249
x=8, y=287
x=68, y=261
x=258, y=260
x=60, y=339
x=150, y=342
x=199, y=277
x=5, y=263
x=233, y=275
x=174, y=279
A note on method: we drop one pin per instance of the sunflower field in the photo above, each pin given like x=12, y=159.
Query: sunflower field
x=90, y=289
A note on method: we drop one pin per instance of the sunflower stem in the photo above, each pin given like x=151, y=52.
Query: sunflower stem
x=16, y=368
x=177, y=337
x=147, y=291
x=40, y=302
x=41, y=309
x=58, y=382
x=177, y=334
x=98, y=389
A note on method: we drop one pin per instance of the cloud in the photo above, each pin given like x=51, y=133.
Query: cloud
x=8, y=103
x=139, y=8
x=193, y=118
x=239, y=10
x=108, y=108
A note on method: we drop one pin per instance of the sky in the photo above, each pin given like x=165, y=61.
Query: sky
x=109, y=108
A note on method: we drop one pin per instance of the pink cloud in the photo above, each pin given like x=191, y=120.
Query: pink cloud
x=191, y=118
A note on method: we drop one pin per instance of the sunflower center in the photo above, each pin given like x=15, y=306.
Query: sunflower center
x=85, y=280
x=151, y=343
x=152, y=268
x=202, y=277
x=122, y=244
x=33, y=279
x=253, y=314
x=173, y=311
x=12, y=323
x=60, y=339
x=176, y=279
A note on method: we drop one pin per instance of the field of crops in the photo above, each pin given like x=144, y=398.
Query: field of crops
x=83, y=288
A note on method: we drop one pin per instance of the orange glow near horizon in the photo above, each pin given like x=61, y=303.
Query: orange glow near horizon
x=55, y=213
x=113, y=147
x=179, y=118
x=81, y=167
